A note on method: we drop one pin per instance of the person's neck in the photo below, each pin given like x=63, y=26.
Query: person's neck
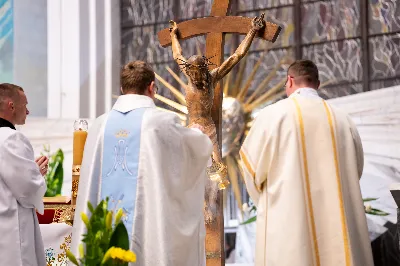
x=7, y=118
x=301, y=88
x=132, y=93
x=4, y=122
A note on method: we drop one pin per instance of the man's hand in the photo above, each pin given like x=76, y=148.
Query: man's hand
x=197, y=126
x=258, y=22
x=43, y=163
x=173, y=27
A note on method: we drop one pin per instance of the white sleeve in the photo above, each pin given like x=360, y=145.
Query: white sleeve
x=209, y=163
x=198, y=144
x=254, y=158
x=20, y=172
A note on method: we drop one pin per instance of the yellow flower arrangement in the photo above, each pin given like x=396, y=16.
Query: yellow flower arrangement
x=119, y=254
x=106, y=241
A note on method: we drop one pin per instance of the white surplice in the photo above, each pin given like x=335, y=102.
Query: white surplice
x=302, y=161
x=22, y=188
x=168, y=224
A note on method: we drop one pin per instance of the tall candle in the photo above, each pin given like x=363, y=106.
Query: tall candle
x=80, y=135
x=79, y=145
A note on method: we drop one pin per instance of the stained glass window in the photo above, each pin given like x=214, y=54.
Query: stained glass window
x=337, y=61
x=330, y=20
x=383, y=16
x=385, y=56
x=328, y=32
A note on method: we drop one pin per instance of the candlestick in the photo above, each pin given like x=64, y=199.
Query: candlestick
x=80, y=135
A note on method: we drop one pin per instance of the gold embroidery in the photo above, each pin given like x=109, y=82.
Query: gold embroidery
x=75, y=185
x=250, y=169
x=64, y=214
x=122, y=134
x=76, y=170
x=342, y=212
x=64, y=247
x=307, y=179
x=213, y=255
x=61, y=257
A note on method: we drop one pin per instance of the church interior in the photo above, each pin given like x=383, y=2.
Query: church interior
x=67, y=55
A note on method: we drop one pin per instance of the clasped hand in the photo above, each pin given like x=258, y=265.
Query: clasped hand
x=43, y=163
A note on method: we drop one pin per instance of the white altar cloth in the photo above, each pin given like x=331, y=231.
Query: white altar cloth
x=56, y=240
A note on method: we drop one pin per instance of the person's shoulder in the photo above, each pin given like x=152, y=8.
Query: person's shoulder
x=279, y=109
x=160, y=118
x=16, y=138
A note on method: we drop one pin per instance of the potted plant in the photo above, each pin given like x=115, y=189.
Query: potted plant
x=106, y=241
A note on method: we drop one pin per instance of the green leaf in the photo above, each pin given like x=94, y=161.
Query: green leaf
x=250, y=220
x=377, y=212
x=90, y=206
x=55, y=176
x=119, y=237
x=369, y=199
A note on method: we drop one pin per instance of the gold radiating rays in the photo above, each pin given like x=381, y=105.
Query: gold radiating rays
x=236, y=85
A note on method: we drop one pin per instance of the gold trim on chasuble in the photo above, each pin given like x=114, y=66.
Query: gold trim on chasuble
x=307, y=180
x=247, y=164
x=339, y=184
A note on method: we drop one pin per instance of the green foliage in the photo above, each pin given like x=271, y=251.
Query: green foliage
x=250, y=220
x=116, y=240
x=102, y=235
x=55, y=174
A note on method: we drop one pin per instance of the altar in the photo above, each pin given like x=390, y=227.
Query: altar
x=56, y=240
x=56, y=228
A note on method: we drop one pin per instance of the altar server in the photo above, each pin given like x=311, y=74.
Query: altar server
x=22, y=185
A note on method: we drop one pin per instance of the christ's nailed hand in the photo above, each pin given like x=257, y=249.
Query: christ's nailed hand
x=43, y=163
x=173, y=27
x=258, y=22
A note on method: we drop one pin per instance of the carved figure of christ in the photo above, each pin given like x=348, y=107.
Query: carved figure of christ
x=215, y=27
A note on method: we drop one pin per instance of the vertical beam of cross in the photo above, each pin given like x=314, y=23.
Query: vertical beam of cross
x=215, y=49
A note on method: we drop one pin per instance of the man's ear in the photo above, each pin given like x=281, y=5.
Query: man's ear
x=152, y=88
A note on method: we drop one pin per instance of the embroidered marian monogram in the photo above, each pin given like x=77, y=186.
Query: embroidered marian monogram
x=121, y=148
x=120, y=157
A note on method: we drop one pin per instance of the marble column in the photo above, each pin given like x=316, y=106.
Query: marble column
x=83, y=57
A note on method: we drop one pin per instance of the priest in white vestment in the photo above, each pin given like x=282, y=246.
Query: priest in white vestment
x=147, y=163
x=22, y=185
x=302, y=161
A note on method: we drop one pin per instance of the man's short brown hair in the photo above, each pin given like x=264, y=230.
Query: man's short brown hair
x=136, y=76
x=304, y=70
x=9, y=91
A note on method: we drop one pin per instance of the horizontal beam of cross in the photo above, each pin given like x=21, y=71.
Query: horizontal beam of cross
x=224, y=24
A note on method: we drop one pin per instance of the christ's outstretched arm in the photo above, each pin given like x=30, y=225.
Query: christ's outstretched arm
x=228, y=64
x=176, y=47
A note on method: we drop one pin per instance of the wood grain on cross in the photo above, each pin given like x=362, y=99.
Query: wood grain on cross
x=215, y=28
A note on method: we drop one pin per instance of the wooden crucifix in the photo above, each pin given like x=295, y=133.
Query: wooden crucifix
x=215, y=28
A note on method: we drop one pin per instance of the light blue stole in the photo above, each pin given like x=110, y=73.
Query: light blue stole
x=121, y=147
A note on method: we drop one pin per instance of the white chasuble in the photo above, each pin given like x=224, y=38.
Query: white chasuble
x=153, y=168
x=302, y=161
x=22, y=188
